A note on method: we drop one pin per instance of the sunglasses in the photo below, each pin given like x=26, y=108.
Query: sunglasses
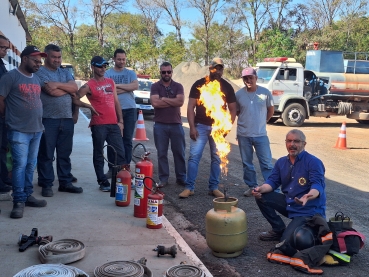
x=4, y=48
x=167, y=72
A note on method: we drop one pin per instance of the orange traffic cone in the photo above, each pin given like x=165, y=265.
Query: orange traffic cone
x=140, y=128
x=341, y=141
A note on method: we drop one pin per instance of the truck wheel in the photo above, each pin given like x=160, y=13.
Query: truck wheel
x=294, y=115
x=363, y=121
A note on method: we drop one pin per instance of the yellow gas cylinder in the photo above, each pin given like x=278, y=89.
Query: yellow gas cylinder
x=226, y=228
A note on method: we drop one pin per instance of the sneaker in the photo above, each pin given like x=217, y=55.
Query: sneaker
x=270, y=236
x=70, y=188
x=5, y=188
x=74, y=179
x=186, y=193
x=47, y=192
x=248, y=192
x=181, y=182
x=17, y=211
x=217, y=193
x=104, y=186
x=33, y=202
x=108, y=174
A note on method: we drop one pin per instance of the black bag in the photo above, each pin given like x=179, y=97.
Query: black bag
x=345, y=238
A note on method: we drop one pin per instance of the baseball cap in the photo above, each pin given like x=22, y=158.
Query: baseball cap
x=98, y=61
x=248, y=71
x=215, y=62
x=32, y=50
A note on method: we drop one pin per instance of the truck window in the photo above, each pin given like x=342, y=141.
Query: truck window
x=265, y=74
x=291, y=75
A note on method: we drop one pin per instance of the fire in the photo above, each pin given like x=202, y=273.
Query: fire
x=212, y=99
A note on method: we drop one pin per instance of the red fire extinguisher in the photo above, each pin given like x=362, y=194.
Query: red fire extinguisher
x=123, y=188
x=154, y=206
x=144, y=168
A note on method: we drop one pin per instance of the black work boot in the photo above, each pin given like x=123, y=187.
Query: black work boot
x=17, y=211
x=47, y=192
x=70, y=188
x=33, y=202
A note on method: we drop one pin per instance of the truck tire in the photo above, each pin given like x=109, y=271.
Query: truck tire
x=366, y=122
x=294, y=115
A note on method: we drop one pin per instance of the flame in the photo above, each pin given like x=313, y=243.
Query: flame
x=212, y=98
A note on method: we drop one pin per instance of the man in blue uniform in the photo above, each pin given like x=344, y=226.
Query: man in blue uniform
x=301, y=178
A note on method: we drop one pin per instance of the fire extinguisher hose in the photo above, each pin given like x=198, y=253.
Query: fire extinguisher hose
x=60, y=270
x=120, y=268
x=63, y=251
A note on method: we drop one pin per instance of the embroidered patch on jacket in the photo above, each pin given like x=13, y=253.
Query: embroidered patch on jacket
x=302, y=181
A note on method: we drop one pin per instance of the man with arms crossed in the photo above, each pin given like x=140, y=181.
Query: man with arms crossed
x=58, y=88
x=126, y=82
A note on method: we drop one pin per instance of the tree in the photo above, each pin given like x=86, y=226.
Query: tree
x=208, y=9
x=151, y=14
x=172, y=9
x=172, y=50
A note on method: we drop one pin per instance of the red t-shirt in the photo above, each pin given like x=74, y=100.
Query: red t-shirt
x=102, y=99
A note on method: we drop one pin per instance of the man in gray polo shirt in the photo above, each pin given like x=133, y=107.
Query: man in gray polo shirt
x=58, y=87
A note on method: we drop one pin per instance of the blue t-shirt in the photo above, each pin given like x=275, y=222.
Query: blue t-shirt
x=296, y=180
x=126, y=76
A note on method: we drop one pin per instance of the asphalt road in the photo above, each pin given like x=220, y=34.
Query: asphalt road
x=346, y=186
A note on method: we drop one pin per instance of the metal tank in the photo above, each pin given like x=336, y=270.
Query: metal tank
x=226, y=228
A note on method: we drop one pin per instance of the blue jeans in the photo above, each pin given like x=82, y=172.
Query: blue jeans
x=3, y=149
x=196, y=149
x=262, y=149
x=24, y=153
x=58, y=135
x=163, y=133
x=129, y=119
x=272, y=202
x=111, y=134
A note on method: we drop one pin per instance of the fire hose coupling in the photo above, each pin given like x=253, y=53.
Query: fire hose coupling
x=26, y=241
x=162, y=250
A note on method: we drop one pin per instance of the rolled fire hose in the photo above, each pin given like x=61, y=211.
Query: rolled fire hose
x=119, y=268
x=51, y=270
x=63, y=251
x=184, y=270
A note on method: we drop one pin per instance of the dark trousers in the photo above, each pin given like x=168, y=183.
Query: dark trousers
x=273, y=202
x=111, y=134
x=3, y=150
x=129, y=118
x=58, y=135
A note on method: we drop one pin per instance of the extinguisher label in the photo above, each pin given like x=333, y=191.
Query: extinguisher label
x=153, y=217
x=121, y=193
x=137, y=201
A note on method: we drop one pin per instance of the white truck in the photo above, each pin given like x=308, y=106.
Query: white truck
x=329, y=85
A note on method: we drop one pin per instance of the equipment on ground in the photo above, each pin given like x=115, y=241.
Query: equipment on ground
x=226, y=228
x=304, y=237
x=144, y=168
x=332, y=83
x=26, y=241
x=162, y=250
x=154, y=206
x=123, y=188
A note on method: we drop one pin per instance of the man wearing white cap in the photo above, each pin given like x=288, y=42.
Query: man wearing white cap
x=254, y=108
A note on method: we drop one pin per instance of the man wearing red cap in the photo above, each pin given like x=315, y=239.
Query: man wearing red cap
x=23, y=117
x=254, y=108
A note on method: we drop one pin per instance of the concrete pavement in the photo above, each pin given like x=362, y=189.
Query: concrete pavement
x=110, y=233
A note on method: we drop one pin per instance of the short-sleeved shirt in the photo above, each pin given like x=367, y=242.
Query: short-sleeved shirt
x=60, y=106
x=125, y=76
x=170, y=114
x=102, y=99
x=253, y=110
x=23, y=106
x=200, y=111
x=298, y=179
x=3, y=69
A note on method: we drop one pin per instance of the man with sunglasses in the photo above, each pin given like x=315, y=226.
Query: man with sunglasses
x=58, y=88
x=23, y=117
x=106, y=120
x=254, y=108
x=167, y=97
x=301, y=178
x=5, y=182
x=126, y=82
x=200, y=130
